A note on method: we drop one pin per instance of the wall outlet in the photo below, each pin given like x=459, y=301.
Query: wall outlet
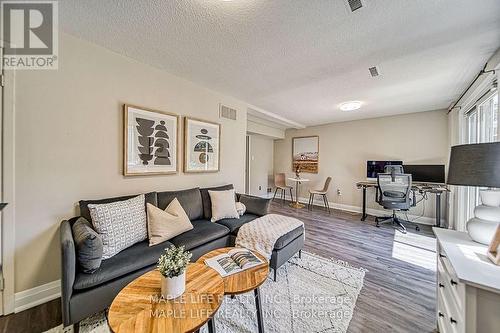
x=260, y=188
x=269, y=190
x=339, y=192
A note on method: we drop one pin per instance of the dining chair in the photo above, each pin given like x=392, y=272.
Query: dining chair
x=280, y=184
x=321, y=192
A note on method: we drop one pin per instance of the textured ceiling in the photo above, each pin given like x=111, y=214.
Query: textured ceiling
x=301, y=58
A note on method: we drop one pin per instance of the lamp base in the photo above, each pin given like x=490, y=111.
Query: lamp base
x=490, y=197
x=481, y=231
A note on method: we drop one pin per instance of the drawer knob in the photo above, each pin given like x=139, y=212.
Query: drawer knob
x=441, y=285
x=453, y=282
x=453, y=321
x=440, y=314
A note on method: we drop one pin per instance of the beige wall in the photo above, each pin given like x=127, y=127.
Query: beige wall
x=417, y=138
x=261, y=164
x=68, y=143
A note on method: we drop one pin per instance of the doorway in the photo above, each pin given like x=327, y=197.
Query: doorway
x=247, y=165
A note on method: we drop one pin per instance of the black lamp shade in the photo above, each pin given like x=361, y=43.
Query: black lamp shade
x=475, y=165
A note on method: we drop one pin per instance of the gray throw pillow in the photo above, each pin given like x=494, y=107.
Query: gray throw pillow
x=120, y=224
x=88, y=246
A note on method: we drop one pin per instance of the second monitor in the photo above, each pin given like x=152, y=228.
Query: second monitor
x=426, y=173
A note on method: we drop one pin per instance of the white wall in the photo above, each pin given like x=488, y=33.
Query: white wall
x=261, y=164
x=417, y=138
x=68, y=143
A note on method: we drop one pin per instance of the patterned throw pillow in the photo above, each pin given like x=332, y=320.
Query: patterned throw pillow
x=120, y=224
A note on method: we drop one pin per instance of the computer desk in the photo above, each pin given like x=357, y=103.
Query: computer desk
x=436, y=189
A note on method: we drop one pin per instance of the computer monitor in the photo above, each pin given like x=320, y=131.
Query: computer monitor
x=373, y=168
x=426, y=173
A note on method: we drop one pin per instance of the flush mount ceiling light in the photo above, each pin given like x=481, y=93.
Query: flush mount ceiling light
x=350, y=106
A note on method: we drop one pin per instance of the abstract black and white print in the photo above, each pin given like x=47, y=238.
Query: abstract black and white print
x=151, y=141
x=202, y=146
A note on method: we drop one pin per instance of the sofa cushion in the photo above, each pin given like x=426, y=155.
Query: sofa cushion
x=288, y=237
x=88, y=245
x=190, y=201
x=85, y=212
x=255, y=205
x=129, y=260
x=120, y=224
x=205, y=197
x=203, y=232
x=235, y=224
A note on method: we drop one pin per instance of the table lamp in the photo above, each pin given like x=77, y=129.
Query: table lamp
x=479, y=165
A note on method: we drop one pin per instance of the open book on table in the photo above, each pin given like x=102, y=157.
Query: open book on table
x=234, y=261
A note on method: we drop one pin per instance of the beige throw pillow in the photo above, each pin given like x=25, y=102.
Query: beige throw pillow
x=223, y=205
x=166, y=224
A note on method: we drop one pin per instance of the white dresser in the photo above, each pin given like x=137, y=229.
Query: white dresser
x=468, y=285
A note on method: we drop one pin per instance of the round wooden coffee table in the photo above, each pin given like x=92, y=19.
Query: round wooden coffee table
x=245, y=281
x=139, y=306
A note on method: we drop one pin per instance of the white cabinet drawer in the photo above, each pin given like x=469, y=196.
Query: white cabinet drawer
x=448, y=283
x=449, y=318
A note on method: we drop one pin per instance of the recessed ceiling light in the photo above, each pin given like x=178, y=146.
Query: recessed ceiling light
x=350, y=106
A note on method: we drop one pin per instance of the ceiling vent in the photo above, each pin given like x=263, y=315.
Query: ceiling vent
x=355, y=4
x=227, y=112
x=374, y=71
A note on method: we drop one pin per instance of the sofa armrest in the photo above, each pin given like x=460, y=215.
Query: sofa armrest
x=68, y=268
x=255, y=205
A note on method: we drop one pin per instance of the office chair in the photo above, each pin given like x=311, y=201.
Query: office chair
x=280, y=184
x=321, y=192
x=394, y=192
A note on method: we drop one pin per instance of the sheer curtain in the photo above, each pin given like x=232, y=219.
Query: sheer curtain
x=482, y=125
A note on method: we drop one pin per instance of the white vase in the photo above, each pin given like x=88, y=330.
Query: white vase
x=173, y=287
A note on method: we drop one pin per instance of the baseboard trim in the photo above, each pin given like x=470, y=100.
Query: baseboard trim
x=370, y=211
x=35, y=296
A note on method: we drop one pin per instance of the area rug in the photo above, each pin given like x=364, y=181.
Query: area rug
x=312, y=294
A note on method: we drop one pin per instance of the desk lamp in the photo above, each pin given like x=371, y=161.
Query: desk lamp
x=479, y=165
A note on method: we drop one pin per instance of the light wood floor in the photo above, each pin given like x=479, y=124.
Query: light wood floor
x=397, y=296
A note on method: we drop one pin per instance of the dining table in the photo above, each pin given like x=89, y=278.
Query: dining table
x=298, y=181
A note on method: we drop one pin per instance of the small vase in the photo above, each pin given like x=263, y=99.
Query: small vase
x=173, y=287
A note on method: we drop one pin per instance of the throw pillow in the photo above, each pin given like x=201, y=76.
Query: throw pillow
x=223, y=205
x=166, y=224
x=240, y=208
x=120, y=224
x=88, y=245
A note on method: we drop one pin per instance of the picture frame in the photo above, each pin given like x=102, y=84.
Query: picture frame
x=201, y=145
x=150, y=141
x=493, y=249
x=305, y=153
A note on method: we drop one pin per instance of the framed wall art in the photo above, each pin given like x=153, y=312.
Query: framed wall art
x=150, y=141
x=305, y=154
x=201, y=145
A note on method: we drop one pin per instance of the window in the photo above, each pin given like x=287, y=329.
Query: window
x=482, y=126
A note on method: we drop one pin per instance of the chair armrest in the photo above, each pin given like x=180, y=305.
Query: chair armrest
x=68, y=268
x=255, y=205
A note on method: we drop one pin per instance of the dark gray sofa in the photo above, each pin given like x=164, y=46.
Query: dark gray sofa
x=85, y=294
